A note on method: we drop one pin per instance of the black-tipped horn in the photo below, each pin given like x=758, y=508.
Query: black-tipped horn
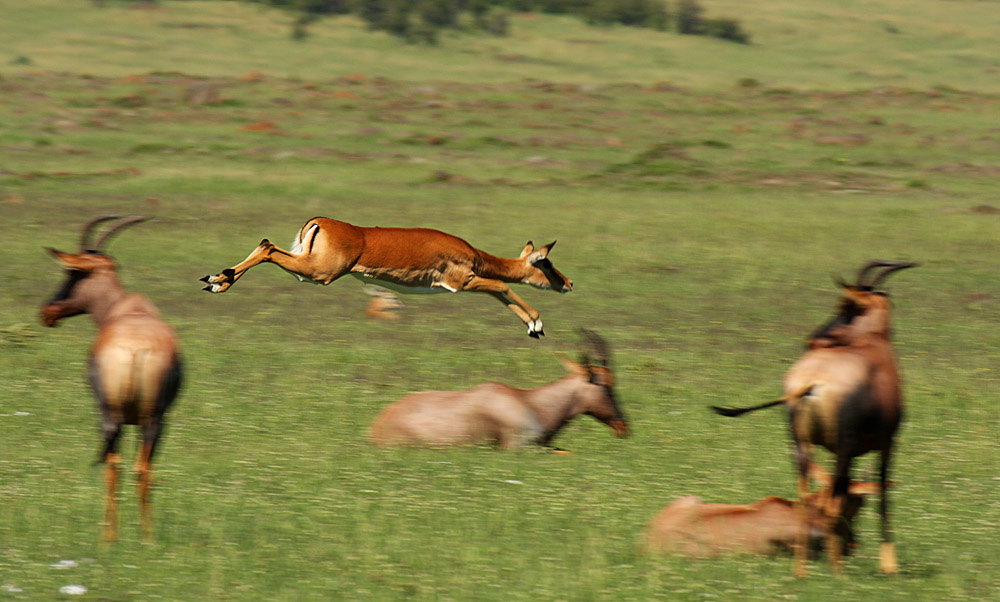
x=118, y=228
x=894, y=267
x=868, y=267
x=88, y=227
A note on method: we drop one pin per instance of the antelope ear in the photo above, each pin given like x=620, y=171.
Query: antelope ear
x=575, y=368
x=528, y=248
x=540, y=254
x=71, y=261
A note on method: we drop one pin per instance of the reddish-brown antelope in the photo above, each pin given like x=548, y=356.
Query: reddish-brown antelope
x=134, y=368
x=691, y=528
x=844, y=394
x=407, y=260
x=508, y=416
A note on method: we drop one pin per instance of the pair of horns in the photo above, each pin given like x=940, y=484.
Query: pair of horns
x=89, y=227
x=889, y=268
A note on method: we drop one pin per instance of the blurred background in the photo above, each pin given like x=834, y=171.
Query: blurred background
x=707, y=167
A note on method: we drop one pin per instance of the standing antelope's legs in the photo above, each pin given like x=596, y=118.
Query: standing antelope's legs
x=835, y=505
x=144, y=474
x=887, y=562
x=509, y=298
x=112, y=462
x=834, y=514
x=802, y=452
x=144, y=468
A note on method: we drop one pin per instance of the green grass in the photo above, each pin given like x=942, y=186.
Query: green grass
x=700, y=223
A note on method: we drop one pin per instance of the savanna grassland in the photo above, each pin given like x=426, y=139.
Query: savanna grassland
x=702, y=195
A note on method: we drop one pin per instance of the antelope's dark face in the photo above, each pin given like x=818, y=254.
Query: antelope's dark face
x=542, y=274
x=601, y=402
x=84, y=273
x=860, y=312
x=863, y=310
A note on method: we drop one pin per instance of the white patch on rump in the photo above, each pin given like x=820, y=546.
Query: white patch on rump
x=297, y=247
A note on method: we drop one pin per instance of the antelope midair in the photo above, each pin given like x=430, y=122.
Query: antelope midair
x=690, y=527
x=407, y=260
x=134, y=368
x=844, y=394
x=502, y=414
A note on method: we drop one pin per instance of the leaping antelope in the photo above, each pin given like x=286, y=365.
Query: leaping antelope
x=500, y=413
x=407, y=260
x=844, y=394
x=134, y=368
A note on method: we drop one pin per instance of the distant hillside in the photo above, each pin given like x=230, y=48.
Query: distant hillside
x=803, y=44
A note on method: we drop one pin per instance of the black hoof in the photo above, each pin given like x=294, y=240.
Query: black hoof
x=533, y=335
x=207, y=288
x=205, y=277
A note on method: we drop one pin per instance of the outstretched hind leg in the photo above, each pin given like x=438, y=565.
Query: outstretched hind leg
x=221, y=282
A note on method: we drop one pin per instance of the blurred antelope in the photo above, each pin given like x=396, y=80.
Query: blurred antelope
x=406, y=260
x=134, y=368
x=844, y=394
x=497, y=412
x=692, y=528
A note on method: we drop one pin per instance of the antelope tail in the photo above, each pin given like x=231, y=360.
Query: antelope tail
x=740, y=411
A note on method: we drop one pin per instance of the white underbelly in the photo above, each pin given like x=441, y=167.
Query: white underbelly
x=399, y=288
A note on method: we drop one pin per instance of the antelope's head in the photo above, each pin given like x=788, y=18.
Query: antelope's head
x=864, y=308
x=540, y=271
x=598, y=395
x=91, y=275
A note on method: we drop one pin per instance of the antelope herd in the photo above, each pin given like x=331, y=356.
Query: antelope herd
x=842, y=394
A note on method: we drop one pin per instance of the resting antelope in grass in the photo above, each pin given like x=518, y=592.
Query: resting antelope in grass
x=500, y=413
x=844, y=394
x=691, y=528
x=407, y=260
x=134, y=368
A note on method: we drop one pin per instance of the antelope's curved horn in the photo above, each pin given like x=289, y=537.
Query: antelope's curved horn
x=88, y=227
x=895, y=267
x=118, y=228
x=871, y=265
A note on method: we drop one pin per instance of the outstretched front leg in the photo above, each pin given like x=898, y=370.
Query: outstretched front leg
x=221, y=282
x=509, y=298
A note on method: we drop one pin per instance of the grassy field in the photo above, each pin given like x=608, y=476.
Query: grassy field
x=700, y=220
